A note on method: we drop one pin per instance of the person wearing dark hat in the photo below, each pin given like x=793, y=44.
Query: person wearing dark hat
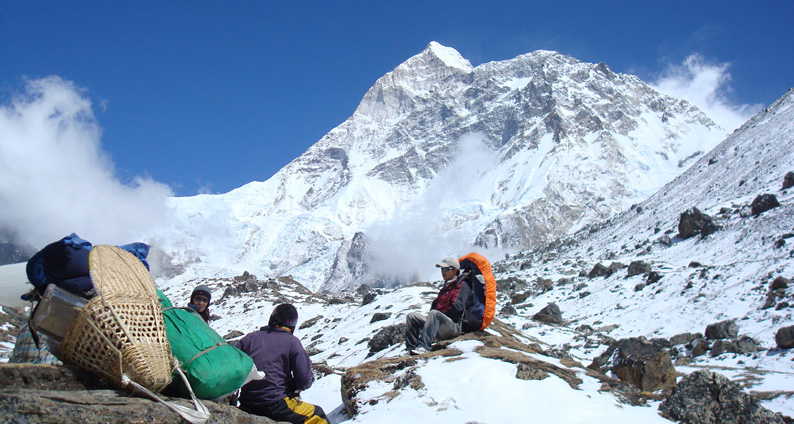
x=445, y=319
x=200, y=301
x=287, y=367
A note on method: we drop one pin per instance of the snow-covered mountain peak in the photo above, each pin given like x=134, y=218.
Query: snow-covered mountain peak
x=449, y=56
x=440, y=156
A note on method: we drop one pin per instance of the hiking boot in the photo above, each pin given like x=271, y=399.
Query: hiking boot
x=417, y=351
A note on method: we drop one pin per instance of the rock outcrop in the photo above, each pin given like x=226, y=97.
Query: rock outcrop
x=53, y=394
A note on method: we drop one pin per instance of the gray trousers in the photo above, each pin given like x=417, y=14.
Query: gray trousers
x=421, y=331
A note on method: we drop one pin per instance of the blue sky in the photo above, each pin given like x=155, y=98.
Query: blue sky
x=208, y=96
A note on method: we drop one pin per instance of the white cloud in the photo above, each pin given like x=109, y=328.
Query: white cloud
x=422, y=234
x=705, y=85
x=55, y=178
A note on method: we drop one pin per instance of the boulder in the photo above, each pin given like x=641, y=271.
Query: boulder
x=638, y=267
x=722, y=330
x=638, y=362
x=46, y=393
x=693, y=222
x=779, y=283
x=368, y=298
x=380, y=316
x=788, y=180
x=763, y=203
x=785, y=337
x=684, y=338
x=705, y=397
x=550, y=314
x=741, y=346
x=387, y=336
x=599, y=270
x=309, y=322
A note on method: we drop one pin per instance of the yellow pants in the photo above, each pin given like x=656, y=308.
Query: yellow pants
x=292, y=410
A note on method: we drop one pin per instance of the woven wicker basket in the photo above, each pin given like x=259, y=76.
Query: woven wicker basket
x=121, y=330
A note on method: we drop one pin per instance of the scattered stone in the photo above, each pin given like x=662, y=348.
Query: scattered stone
x=653, y=277
x=585, y=329
x=699, y=347
x=508, y=310
x=741, y=346
x=780, y=283
x=785, y=337
x=233, y=335
x=722, y=330
x=550, y=314
x=664, y=240
x=519, y=297
x=380, y=316
x=638, y=267
x=693, y=222
x=788, y=180
x=309, y=322
x=763, y=203
x=705, y=397
x=684, y=338
x=527, y=372
x=368, y=298
x=599, y=270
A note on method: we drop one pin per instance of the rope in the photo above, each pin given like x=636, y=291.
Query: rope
x=217, y=345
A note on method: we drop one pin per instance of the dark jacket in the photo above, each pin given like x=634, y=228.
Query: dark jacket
x=456, y=300
x=283, y=359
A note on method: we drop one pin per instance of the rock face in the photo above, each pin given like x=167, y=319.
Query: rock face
x=53, y=394
x=705, y=397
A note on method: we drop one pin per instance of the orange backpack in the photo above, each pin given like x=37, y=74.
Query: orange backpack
x=484, y=285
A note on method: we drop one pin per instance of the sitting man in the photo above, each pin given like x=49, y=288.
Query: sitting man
x=200, y=301
x=447, y=313
x=287, y=367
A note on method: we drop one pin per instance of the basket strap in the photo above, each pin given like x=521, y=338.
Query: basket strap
x=200, y=416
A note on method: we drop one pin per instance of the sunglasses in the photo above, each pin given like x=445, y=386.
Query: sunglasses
x=199, y=299
x=447, y=268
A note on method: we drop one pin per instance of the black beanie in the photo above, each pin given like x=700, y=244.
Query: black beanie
x=202, y=290
x=285, y=315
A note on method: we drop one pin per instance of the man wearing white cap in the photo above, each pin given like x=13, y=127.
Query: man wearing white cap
x=446, y=313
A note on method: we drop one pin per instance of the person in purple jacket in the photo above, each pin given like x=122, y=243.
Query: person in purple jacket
x=288, y=370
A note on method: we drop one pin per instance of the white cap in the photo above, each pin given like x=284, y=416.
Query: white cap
x=447, y=262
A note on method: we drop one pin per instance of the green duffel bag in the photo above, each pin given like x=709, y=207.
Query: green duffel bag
x=213, y=367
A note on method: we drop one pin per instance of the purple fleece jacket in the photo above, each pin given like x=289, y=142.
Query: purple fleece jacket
x=285, y=362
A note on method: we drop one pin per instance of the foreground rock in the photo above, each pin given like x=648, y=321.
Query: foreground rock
x=56, y=394
x=705, y=397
